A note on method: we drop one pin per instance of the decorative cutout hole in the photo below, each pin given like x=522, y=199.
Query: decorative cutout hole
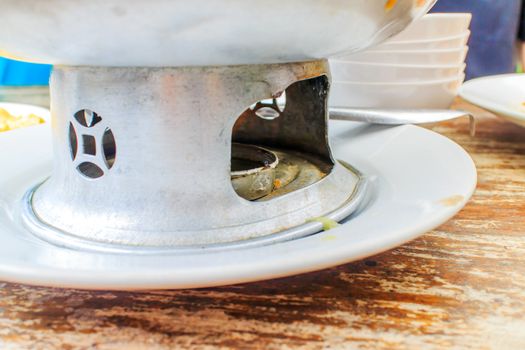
x=73, y=142
x=90, y=170
x=94, y=152
x=267, y=113
x=109, y=148
x=89, y=145
x=87, y=118
x=270, y=109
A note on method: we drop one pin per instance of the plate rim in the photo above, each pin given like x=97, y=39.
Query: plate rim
x=497, y=108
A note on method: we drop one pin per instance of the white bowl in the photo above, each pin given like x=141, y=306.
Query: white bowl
x=451, y=42
x=198, y=32
x=380, y=72
x=429, y=94
x=435, y=26
x=419, y=57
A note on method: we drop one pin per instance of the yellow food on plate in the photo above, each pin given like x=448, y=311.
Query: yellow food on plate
x=9, y=121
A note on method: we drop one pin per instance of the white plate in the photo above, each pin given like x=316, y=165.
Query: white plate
x=501, y=94
x=419, y=180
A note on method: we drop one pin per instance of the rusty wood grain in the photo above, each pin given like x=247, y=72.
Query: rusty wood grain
x=459, y=286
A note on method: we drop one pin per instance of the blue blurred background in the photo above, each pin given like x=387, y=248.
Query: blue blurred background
x=16, y=73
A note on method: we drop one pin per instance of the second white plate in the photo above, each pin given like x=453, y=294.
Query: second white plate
x=501, y=94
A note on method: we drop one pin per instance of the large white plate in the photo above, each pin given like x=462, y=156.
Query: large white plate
x=501, y=94
x=419, y=180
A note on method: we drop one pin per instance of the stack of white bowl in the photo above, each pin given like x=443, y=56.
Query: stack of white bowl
x=422, y=67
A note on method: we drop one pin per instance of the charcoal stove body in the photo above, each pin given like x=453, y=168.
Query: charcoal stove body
x=142, y=157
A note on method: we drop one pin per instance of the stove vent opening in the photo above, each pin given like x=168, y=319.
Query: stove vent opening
x=90, y=170
x=280, y=145
x=73, y=142
x=109, y=147
x=270, y=109
x=92, y=151
x=89, y=145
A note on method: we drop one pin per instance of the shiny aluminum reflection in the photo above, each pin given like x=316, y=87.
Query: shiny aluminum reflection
x=170, y=127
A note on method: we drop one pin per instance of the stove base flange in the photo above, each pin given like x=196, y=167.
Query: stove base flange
x=60, y=238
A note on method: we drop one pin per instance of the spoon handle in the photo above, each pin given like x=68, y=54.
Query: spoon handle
x=399, y=116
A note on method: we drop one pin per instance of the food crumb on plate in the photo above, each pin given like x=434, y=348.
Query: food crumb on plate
x=328, y=224
x=10, y=121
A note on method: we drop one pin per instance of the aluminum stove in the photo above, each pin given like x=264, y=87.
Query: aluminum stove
x=168, y=135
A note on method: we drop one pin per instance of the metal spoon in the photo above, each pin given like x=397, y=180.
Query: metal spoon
x=272, y=108
x=400, y=116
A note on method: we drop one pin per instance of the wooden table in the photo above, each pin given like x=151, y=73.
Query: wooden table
x=459, y=286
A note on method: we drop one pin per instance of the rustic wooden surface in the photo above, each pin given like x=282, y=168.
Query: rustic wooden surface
x=459, y=286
